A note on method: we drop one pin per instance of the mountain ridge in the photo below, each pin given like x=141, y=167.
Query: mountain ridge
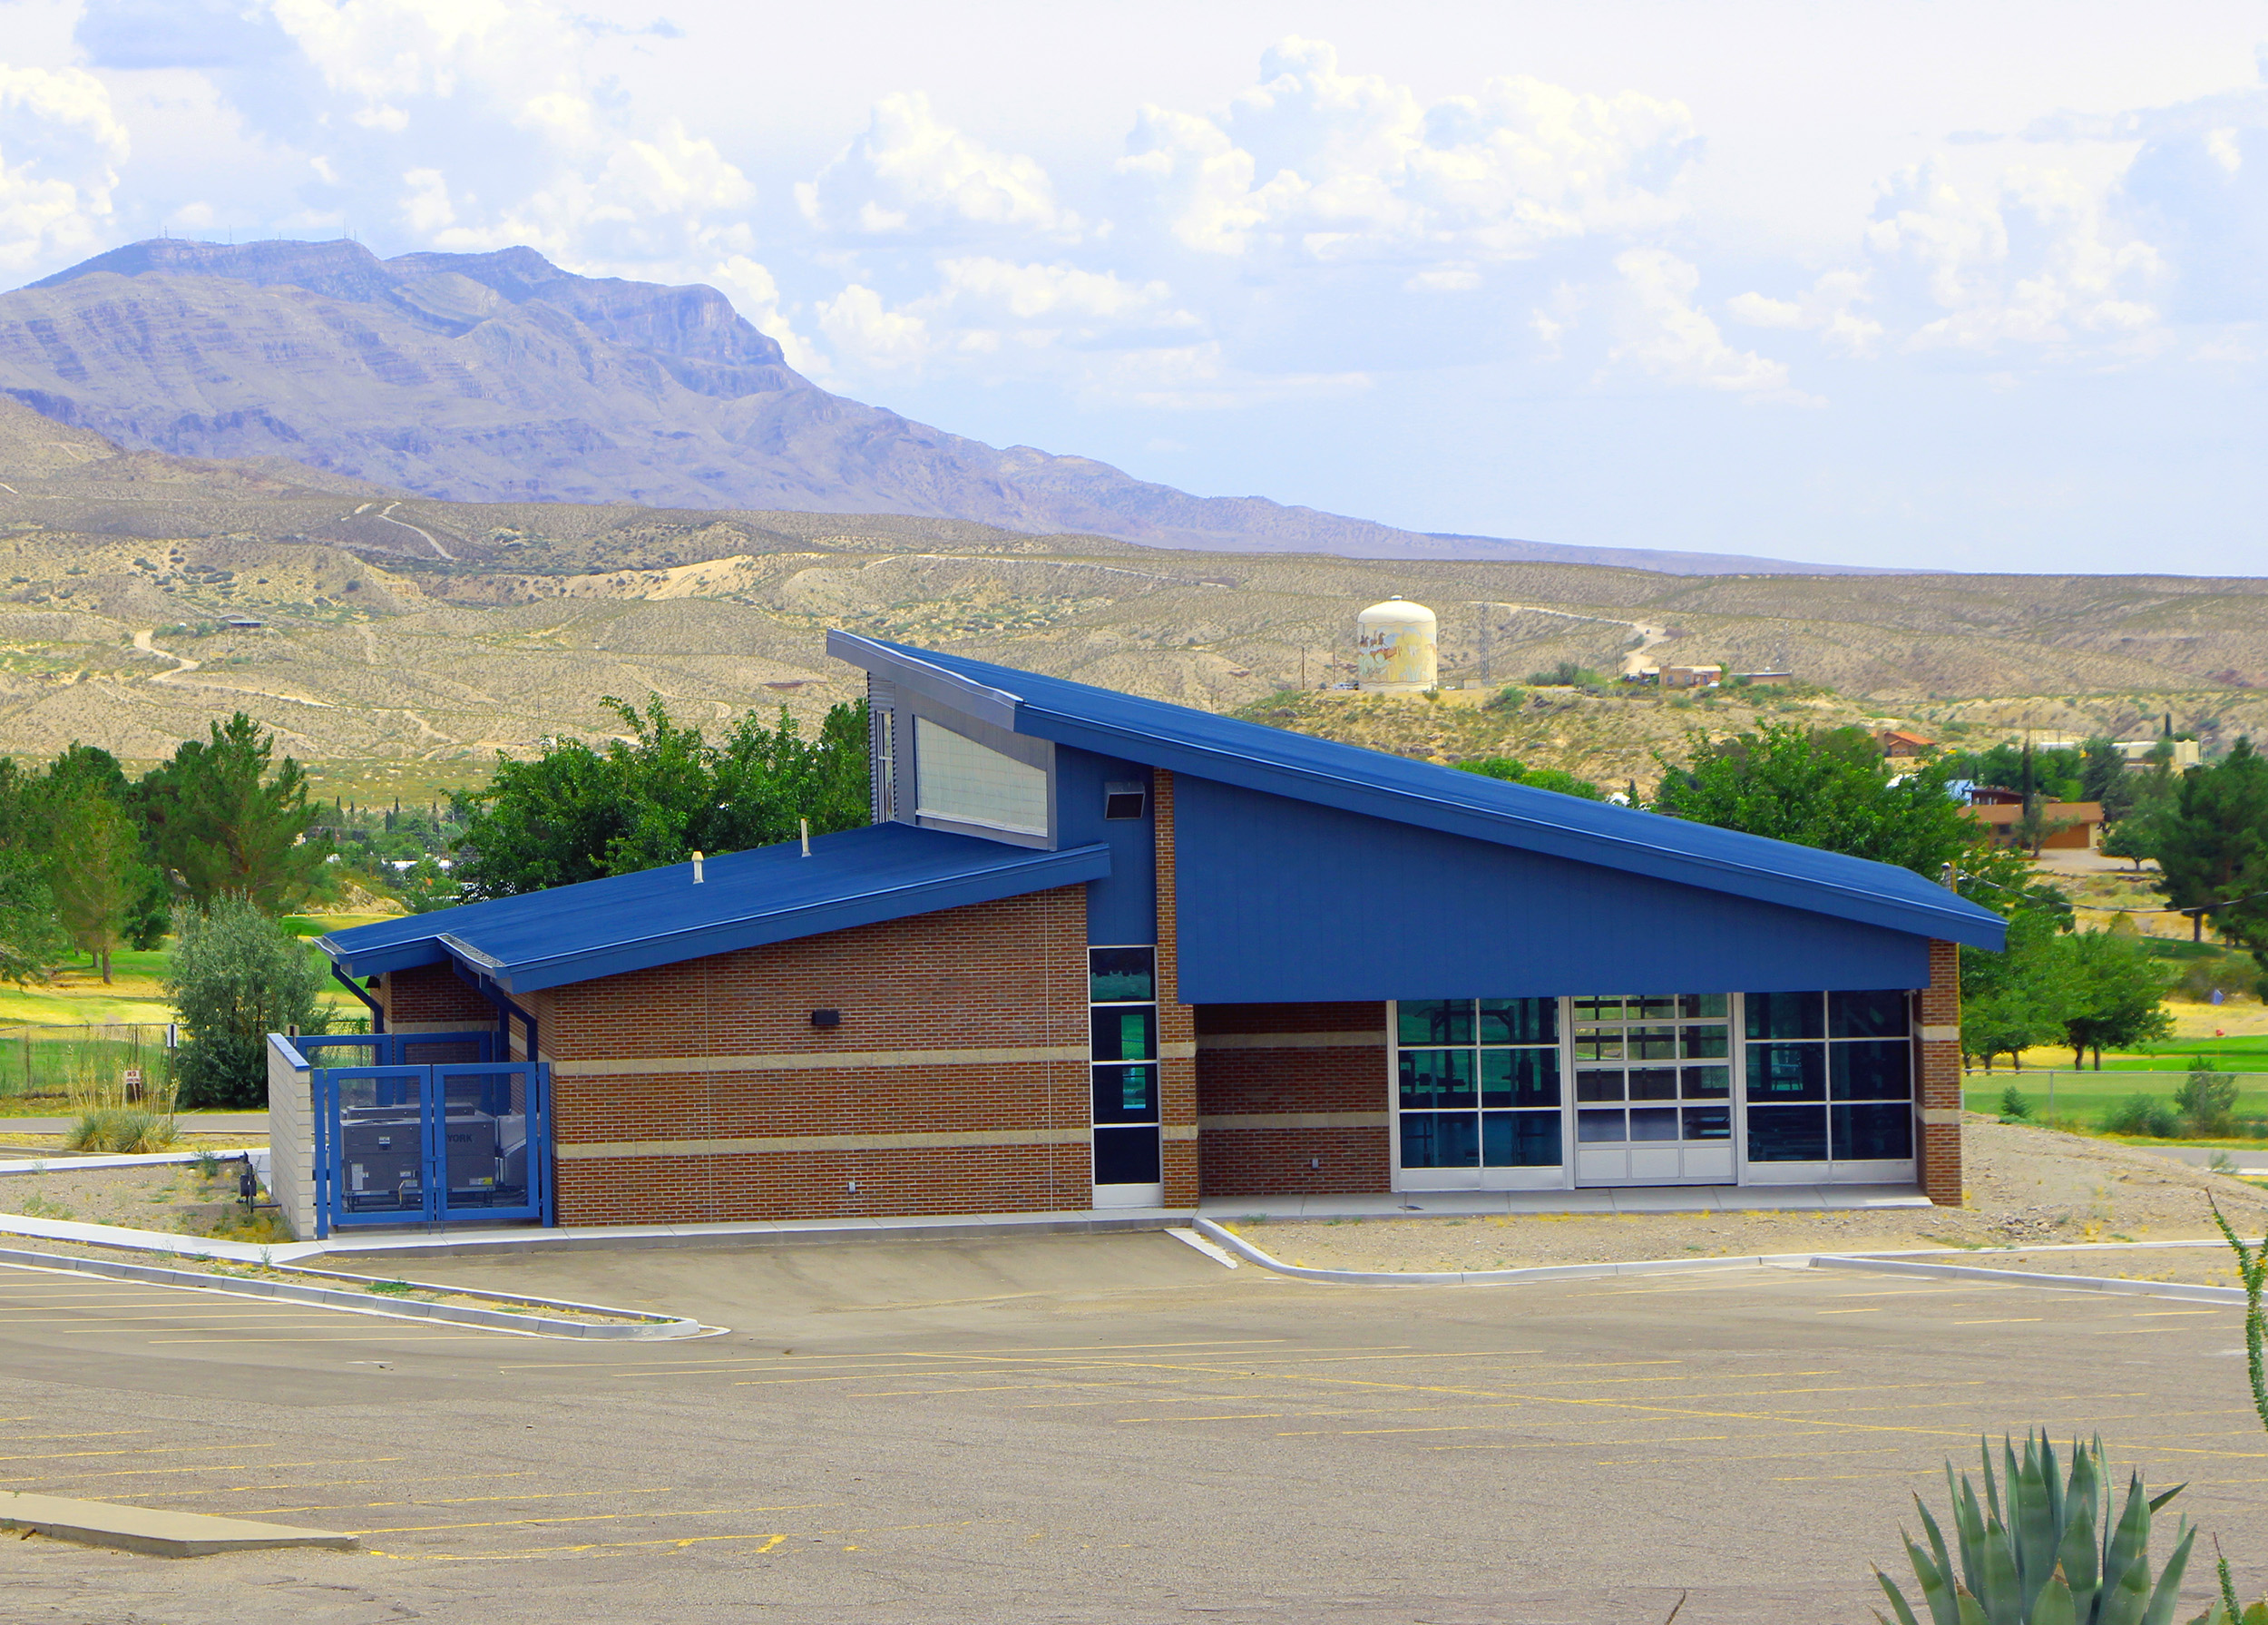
x=499, y=376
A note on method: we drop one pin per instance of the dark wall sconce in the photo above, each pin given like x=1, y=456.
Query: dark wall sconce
x=826, y=1018
x=1123, y=800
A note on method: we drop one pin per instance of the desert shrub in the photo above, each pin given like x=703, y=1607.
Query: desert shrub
x=2015, y=1107
x=2207, y=1101
x=2144, y=1115
x=1567, y=674
x=127, y=1130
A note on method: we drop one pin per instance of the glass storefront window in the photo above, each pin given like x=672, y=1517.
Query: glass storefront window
x=1806, y=1049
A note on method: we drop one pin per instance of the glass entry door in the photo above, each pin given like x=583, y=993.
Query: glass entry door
x=1653, y=1090
x=1122, y=1065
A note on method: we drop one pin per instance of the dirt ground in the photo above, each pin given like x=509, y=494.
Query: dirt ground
x=2024, y=1185
x=2193, y=1265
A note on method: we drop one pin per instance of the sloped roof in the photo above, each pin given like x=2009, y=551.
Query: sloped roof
x=1376, y=785
x=658, y=916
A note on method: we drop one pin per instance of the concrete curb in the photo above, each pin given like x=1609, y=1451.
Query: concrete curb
x=751, y=1234
x=1489, y=1277
x=152, y=1532
x=1883, y=1263
x=2027, y=1277
x=65, y=1163
x=647, y=1328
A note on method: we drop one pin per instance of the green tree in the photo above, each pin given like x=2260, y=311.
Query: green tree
x=1833, y=790
x=2117, y=994
x=2133, y=835
x=575, y=813
x=1541, y=778
x=2103, y=777
x=95, y=868
x=32, y=940
x=2213, y=846
x=2013, y=1000
x=224, y=825
x=236, y=976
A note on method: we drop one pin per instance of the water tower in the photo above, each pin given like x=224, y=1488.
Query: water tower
x=1395, y=649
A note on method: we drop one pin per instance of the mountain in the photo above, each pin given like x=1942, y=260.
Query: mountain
x=499, y=378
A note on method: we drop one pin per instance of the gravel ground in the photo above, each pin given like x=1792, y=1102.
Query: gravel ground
x=2024, y=1185
x=170, y=1196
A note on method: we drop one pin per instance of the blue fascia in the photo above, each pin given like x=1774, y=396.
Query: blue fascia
x=1393, y=789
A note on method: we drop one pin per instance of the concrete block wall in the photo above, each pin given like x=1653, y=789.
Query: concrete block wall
x=290, y=1137
x=955, y=1082
x=1292, y=1099
x=1939, y=1106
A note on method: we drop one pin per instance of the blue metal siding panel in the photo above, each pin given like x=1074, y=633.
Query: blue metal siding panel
x=1423, y=794
x=1123, y=907
x=1283, y=901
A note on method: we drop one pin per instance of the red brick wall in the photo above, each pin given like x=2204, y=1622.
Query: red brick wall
x=1176, y=1030
x=1938, y=1150
x=1004, y=975
x=432, y=998
x=1306, y=1074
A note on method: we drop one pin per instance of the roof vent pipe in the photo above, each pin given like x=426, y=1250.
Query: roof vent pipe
x=805, y=824
x=697, y=869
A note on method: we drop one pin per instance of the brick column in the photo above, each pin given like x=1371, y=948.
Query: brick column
x=1177, y=1022
x=1939, y=1106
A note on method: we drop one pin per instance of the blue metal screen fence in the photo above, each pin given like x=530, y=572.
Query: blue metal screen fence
x=427, y=1129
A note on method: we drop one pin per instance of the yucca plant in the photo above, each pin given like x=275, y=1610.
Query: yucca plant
x=2045, y=1552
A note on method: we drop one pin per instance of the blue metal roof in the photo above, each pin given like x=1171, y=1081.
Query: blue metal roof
x=1396, y=789
x=658, y=916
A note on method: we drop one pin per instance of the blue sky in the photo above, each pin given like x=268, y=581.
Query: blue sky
x=1980, y=287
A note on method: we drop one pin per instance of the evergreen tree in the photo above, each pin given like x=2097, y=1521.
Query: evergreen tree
x=2213, y=846
x=223, y=824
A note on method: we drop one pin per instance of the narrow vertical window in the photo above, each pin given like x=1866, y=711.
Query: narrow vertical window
x=1123, y=1062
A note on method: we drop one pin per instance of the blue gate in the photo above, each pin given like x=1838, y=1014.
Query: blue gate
x=432, y=1129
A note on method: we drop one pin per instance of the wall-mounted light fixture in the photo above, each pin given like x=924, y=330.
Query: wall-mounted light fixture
x=826, y=1018
x=1123, y=798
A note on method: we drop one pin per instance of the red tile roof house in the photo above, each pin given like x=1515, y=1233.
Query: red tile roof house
x=1100, y=953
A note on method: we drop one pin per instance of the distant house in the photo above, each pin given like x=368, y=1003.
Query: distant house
x=242, y=622
x=2137, y=753
x=2081, y=821
x=1896, y=745
x=1692, y=677
x=1989, y=795
x=1770, y=680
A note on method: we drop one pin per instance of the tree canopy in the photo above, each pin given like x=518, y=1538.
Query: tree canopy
x=1542, y=778
x=237, y=975
x=575, y=813
x=224, y=826
x=1833, y=790
x=2211, y=841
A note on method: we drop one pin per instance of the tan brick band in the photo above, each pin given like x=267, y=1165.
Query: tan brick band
x=933, y=1141
x=810, y=1061
x=1291, y=1040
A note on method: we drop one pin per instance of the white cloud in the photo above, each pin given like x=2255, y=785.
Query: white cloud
x=61, y=146
x=911, y=171
x=1332, y=166
x=1826, y=308
x=1662, y=332
x=868, y=334
x=2035, y=258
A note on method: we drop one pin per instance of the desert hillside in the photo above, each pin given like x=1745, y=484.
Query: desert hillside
x=408, y=631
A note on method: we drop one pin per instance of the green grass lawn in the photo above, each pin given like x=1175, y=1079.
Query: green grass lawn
x=2088, y=1095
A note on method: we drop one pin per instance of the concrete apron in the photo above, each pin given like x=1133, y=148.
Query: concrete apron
x=152, y=1532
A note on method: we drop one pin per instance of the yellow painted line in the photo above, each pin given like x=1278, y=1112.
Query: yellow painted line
x=713, y=1511
x=338, y=1484
x=949, y=1354
x=2010, y=1320
x=1232, y=1417
x=65, y=1455
x=368, y=1460
x=115, y=1432
x=2161, y=1314
x=411, y=1334
x=1590, y=1444
x=354, y=1506
x=1877, y=1309
x=677, y=1540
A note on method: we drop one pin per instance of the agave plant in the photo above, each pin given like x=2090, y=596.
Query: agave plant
x=2045, y=1553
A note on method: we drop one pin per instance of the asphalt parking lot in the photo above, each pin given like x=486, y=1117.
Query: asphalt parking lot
x=1105, y=1428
